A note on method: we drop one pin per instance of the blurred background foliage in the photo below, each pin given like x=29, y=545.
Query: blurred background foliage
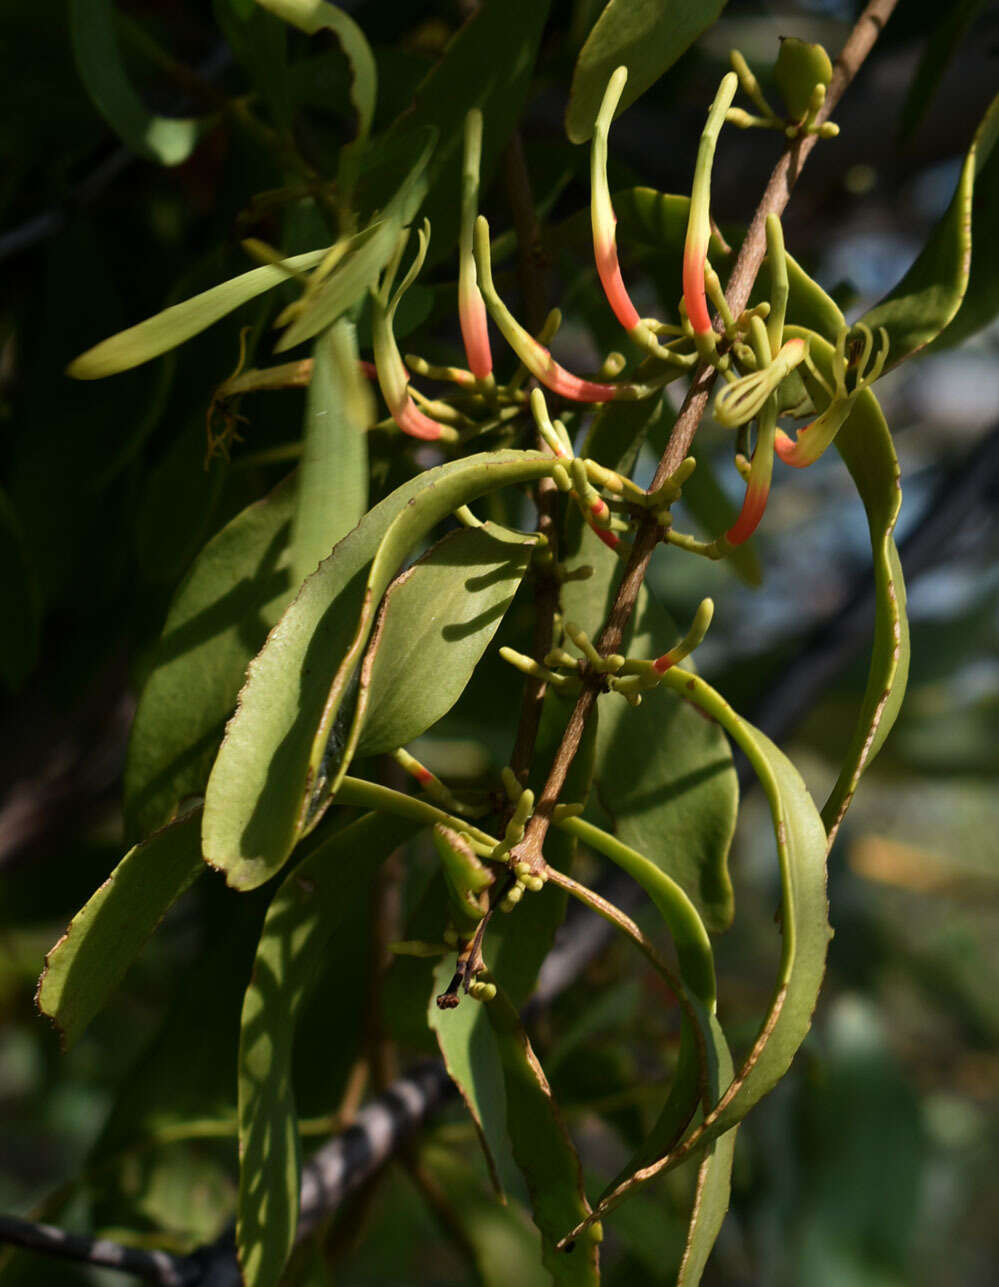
x=873, y=1163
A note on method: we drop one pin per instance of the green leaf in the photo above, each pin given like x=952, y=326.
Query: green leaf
x=294, y=733
x=219, y=617
x=105, y=936
x=543, y=1151
x=367, y=254
x=315, y=900
x=663, y=773
x=333, y=474
x=174, y=325
x=437, y=620
x=952, y=25
x=711, y=1199
x=647, y=36
x=805, y=932
x=865, y=444
x=981, y=299
x=488, y=65
x=471, y=1055
x=165, y=140
x=311, y=16
x=19, y=595
x=930, y=294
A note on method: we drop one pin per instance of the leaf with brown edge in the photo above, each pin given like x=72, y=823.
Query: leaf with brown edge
x=544, y=1152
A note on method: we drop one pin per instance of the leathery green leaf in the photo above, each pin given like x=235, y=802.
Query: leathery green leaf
x=219, y=617
x=805, y=932
x=663, y=773
x=366, y=255
x=333, y=474
x=295, y=731
x=311, y=16
x=981, y=299
x=436, y=622
x=488, y=64
x=930, y=294
x=865, y=444
x=648, y=36
x=544, y=1152
x=316, y=899
x=165, y=140
x=711, y=1199
x=471, y=1055
x=174, y=325
x=105, y=936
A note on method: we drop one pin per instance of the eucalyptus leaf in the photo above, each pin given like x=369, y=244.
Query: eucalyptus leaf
x=162, y=139
x=437, y=620
x=332, y=493
x=318, y=897
x=295, y=731
x=928, y=297
x=105, y=936
x=165, y=330
x=647, y=36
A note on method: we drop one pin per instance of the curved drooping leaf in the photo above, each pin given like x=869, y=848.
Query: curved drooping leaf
x=663, y=773
x=311, y=16
x=488, y=64
x=543, y=1151
x=711, y=1199
x=951, y=26
x=648, y=36
x=471, y=1055
x=163, y=139
x=366, y=255
x=930, y=294
x=437, y=620
x=179, y=322
x=295, y=730
x=332, y=493
x=219, y=617
x=865, y=444
x=105, y=936
x=801, y=851
x=319, y=896
x=980, y=305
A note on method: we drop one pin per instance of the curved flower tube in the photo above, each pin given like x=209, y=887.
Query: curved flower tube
x=471, y=307
x=760, y=475
x=695, y=250
x=602, y=217
x=535, y=356
x=739, y=401
x=393, y=378
x=811, y=441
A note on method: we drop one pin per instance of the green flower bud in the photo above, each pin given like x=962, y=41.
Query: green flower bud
x=799, y=68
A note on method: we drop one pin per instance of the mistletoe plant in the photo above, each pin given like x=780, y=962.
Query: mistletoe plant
x=343, y=615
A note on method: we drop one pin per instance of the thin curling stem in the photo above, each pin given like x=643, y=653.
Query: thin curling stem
x=695, y=251
x=471, y=307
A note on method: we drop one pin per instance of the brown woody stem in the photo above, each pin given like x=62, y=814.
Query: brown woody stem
x=785, y=174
